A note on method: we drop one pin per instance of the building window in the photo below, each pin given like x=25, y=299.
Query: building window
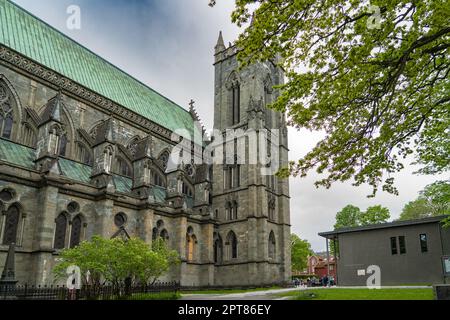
x=191, y=242
x=11, y=225
x=62, y=147
x=158, y=179
x=271, y=208
x=423, y=242
x=120, y=219
x=6, y=114
x=402, y=244
x=218, y=249
x=123, y=168
x=231, y=245
x=232, y=177
x=28, y=136
x=75, y=234
x=164, y=235
x=84, y=155
x=236, y=104
x=187, y=190
x=394, y=245
x=60, y=232
x=272, y=246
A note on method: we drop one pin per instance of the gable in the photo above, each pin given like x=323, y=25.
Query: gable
x=33, y=38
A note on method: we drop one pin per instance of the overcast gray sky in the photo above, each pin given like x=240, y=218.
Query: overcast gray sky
x=168, y=44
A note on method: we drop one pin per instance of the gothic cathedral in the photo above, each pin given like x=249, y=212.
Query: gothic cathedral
x=86, y=149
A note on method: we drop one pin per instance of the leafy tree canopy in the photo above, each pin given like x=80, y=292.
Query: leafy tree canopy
x=351, y=216
x=347, y=217
x=372, y=75
x=111, y=261
x=433, y=200
x=300, y=250
x=373, y=215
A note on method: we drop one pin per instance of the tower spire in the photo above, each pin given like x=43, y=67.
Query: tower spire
x=220, y=46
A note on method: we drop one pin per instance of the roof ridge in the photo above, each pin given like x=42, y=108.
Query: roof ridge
x=95, y=54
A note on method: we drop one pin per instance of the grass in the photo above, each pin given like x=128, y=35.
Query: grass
x=228, y=291
x=361, y=294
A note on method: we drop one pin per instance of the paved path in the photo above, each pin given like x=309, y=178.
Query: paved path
x=253, y=295
x=272, y=294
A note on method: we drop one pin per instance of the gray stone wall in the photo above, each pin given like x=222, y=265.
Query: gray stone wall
x=42, y=194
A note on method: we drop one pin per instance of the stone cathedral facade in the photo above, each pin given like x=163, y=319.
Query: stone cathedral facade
x=85, y=149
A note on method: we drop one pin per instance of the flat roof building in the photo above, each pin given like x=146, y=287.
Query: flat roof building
x=408, y=252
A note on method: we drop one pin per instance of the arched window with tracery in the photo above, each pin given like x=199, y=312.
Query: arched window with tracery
x=29, y=135
x=76, y=231
x=231, y=245
x=6, y=112
x=164, y=159
x=60, y=231
x=84, y=154
x=272, y=245
x=158, y=179
x=123, y=168
x=12, y=219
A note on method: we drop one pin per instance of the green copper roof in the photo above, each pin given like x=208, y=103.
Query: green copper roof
x=30, y=36
x=123, y=184
x=75, y=171
x=16, y=154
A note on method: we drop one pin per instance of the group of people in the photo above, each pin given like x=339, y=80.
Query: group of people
x=325, y=281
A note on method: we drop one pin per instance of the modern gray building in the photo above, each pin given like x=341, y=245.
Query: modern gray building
x=408, y=252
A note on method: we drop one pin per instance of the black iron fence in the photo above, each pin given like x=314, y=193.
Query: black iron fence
x=157, y=291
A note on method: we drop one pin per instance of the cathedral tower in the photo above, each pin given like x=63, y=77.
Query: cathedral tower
x=251, y=205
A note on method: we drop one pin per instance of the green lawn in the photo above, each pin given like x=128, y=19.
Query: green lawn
x=361, y=294
x=228, y=291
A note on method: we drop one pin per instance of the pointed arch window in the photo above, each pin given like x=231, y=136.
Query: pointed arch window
x=60, y=231
x=191, y=243
x=29, y=135
x=236, y=103
x=272, y=245
x=76, y=231
x=158, y=179
x=84, y=155
x=11, y=225
x=62, y=146
x=6, y=115
x=123, y=168
x=231, y=246
x=164, y=235
x=271, y=208
x=186, y=190
x=218, y=250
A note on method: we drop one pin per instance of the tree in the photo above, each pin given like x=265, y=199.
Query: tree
x=300, y=250
x=349, y=216
x=372, y=75
x=111, y=261
x=373, y=215
x=416, y=209
x=433, y=200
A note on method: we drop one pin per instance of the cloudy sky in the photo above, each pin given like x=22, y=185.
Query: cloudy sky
x=168, y=44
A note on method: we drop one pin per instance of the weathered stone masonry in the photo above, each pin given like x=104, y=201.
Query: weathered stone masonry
x=74, y=163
